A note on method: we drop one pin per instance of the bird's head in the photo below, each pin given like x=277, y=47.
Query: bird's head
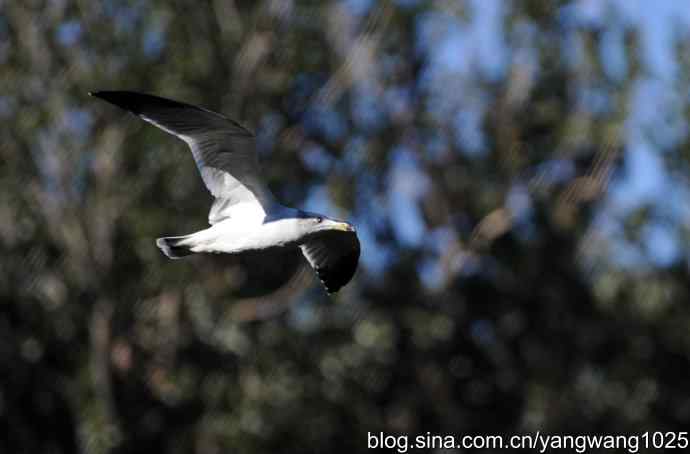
x=313, y=223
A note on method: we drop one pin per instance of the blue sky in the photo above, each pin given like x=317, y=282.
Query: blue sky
x=460, y=53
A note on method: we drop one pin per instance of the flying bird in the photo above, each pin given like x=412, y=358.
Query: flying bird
x=245, y=217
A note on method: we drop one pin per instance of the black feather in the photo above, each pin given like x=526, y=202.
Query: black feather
x=334, y=265
x=145, y=104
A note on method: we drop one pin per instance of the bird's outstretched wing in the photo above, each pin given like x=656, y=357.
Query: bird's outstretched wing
x=334, y=256
x=223, y=151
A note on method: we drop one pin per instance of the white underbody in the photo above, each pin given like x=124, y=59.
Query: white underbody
x=233, y=235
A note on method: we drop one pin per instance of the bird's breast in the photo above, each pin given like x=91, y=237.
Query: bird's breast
x=232, y=236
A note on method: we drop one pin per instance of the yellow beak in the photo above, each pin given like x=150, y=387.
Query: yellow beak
x=344, y=226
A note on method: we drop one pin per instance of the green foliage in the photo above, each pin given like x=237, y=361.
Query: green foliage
x=512, y=309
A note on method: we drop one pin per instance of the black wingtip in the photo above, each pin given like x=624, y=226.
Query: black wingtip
x=139, y=103
x=133, y=101
x=99, y=93
x=335, y=276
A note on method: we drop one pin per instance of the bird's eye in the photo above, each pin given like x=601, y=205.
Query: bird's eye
x=319, y=220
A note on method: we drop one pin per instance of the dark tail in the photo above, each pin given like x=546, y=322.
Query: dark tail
x=170, y=246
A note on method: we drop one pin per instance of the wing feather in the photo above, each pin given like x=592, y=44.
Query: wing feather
x=223, y=151
x=334, y=256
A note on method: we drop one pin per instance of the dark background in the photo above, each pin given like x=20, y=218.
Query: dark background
x=517, y=171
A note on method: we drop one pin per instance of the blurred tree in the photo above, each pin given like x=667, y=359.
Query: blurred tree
x=506, y=286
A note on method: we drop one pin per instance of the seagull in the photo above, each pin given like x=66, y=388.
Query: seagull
x=245, y=217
